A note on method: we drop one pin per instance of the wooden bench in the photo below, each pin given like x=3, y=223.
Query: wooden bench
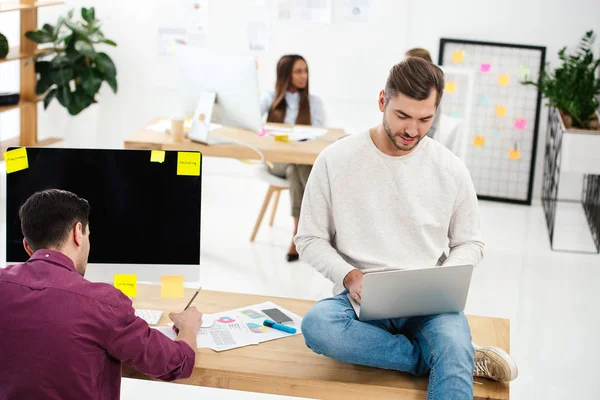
x=287, y=367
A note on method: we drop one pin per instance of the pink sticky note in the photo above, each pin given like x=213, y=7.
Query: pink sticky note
x=263, y=132
x=486, y=67
x=520, y=124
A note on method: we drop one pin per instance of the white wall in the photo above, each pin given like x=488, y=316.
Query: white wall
x=348, y=61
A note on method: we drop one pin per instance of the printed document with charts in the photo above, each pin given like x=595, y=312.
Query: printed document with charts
x=239, y=328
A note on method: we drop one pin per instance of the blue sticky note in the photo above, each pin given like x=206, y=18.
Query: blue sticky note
x=483, y=100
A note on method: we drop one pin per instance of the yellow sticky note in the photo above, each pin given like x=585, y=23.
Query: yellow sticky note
x=157, y=156
x=282, y=138
x=503, y=80
x=188, y=163
x=500, y=111
x=126, y=283
x=16, y=160
x=458, y=56
x=478, y=141
x=450, y=87
x=514, y=154
x=171, y=286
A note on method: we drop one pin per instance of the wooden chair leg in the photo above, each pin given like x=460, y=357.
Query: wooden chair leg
x=262, y=212
x=274, y=208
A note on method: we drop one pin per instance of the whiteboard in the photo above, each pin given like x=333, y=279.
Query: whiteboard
x=500, y=148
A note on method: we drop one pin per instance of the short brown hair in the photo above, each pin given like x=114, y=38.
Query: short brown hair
x=47, y=216
x=420, y=53
x=415, y=77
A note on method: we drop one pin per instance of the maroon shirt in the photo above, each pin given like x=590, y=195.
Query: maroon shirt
x=63, y=337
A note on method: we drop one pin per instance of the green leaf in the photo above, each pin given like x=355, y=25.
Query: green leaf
x=84, y=14
x=61, y=61
x=85, y=48
x=61, y=76
x=70, y=14
x=43, y=84
x=63, y=95
x=109, y=42
x=80, y=101
x=76, y=27
x=112, y=82
x=49, y=29
x=49, y=97
x=90, y=82
x=106, y=65
x=92, y=13
x=42, y=67
x=39, y=36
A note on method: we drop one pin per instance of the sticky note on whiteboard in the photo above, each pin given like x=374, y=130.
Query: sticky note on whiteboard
x=478, y=141
x=16, y=160
x=500, y=111
x=126, y=283
x=503, y=80
x=485, y=67
x=458, y=56
x=514, y=154
x=450, y=87
x=520, y=124
x=188, y=163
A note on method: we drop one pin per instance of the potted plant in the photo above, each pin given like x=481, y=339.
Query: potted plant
x=71, y=69
x=573, y=88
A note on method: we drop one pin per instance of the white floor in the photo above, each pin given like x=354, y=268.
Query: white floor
x=551, y=298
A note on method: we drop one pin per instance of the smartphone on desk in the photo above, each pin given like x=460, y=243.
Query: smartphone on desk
x=277, y=315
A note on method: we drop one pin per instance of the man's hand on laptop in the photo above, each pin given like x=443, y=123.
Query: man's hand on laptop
x=353, y=282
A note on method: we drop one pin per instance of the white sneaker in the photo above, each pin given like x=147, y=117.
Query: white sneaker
x=494, y=363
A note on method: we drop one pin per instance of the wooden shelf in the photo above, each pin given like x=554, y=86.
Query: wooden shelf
x=22, y=104
x=14, y=7
x=40, y=4
x=14, y=142
x=14, y=53
x=6, y=7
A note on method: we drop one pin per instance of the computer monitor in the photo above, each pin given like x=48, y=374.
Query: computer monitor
x=144, y=216
x=231, y=75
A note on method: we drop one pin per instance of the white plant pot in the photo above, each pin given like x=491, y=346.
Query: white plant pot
x=580, y=150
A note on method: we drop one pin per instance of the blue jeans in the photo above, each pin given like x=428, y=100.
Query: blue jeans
x=437, y=344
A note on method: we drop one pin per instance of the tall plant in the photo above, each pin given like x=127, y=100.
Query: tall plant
x=574, y=86
x=71, y=70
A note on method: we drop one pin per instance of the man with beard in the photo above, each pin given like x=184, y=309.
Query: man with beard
x=393, y=198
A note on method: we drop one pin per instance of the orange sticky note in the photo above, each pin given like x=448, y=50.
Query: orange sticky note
x=478, y=141
x=503, y=80
x=126, y=283
x=188, y=163
x=282, y=138
x=514, y=154
x=157, y=156
x=171, y=286
x=16, y=160
x=458, y=56
x=500, y=111
x=450, y=87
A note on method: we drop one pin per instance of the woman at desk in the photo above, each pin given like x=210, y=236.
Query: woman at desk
x=290, y=103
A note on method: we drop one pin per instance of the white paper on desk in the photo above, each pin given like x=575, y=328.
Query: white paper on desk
x=253, y=317
x=164, y=124
x=224, y=334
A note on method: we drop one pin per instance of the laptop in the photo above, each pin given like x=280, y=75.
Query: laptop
x=413, y=292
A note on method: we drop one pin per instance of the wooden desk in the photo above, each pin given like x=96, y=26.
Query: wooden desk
x=287, y=367
x=296, y=153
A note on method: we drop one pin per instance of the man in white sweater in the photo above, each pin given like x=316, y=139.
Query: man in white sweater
x=392, y=198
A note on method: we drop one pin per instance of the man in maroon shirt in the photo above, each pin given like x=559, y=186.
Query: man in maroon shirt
x=63, y=337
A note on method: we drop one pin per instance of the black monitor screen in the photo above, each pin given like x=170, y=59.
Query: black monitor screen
x=141, y=212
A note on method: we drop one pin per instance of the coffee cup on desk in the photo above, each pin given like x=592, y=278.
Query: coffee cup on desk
x=176, y=130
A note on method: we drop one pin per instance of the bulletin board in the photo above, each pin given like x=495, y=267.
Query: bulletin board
x=505, y=115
